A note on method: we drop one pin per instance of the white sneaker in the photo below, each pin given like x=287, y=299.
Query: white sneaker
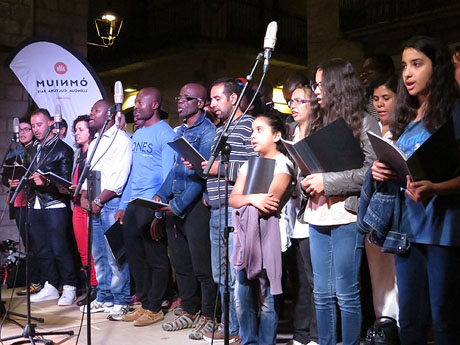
x=68, y=295
x=117, y=312
x=98, y=307
x=48, y=293
x=312, y=343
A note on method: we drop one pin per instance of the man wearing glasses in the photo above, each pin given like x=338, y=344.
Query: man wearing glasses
x=187, y=219
x=152, y=160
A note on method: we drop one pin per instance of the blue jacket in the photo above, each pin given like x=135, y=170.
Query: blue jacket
x=380, y=214
x=183, y=187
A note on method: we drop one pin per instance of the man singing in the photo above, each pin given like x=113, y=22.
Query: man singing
x=152, y=160
x=113, y=159
x=47, y=212
x=187, y=219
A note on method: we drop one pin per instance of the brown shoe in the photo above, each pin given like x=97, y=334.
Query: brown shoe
x=134, y=315
x=148, y=318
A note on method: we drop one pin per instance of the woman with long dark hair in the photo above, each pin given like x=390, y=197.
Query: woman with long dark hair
x=428, y=272
x=83, y=136
x=336, y=245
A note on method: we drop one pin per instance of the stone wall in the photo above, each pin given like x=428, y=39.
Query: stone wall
x=63, y=20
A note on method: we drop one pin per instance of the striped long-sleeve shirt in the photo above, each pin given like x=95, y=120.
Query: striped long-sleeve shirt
x=240, y=141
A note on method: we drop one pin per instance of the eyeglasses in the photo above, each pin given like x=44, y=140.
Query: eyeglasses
x=186, y=98
x=25, y=130
x=298, y=101
x=316, y=85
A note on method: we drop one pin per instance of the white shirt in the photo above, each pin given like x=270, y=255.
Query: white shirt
x=112, y=158
x=387, y=135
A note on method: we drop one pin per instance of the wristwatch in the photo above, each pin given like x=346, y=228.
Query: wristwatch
x=98, y=202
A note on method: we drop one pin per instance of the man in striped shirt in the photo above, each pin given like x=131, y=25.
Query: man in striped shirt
x=224, y=95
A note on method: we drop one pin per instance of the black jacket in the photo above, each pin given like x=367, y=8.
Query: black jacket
x=55, y=156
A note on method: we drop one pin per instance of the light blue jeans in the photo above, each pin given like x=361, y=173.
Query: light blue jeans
x=336, y=258
x=258, y=323
x=113, y=280
x=218, y=262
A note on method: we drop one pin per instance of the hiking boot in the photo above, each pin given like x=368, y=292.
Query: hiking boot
x=134, y=315
x=117, y=312
x=33, y=288
x=205, y=325
x=184, y=320
x=148, y=318
x=49, y=292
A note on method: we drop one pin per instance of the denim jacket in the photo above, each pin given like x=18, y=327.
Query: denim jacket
x=379, y=214
x=183, y=187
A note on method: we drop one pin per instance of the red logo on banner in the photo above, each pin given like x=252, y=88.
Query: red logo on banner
x=60, y=68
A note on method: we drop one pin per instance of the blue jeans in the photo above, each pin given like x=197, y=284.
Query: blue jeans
x=429, y=275
x=218, y=262
x=255, y=329
x=113, y=280
x=336, y=257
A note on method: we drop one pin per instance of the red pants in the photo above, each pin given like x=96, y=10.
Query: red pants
x=80, y=228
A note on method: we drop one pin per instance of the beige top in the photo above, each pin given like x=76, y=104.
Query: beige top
x=323, y=210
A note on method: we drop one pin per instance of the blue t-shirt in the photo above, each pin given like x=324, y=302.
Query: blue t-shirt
x=153, y=158
x=434, y=221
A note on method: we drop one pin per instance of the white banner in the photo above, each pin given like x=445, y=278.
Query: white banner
x=53, y=75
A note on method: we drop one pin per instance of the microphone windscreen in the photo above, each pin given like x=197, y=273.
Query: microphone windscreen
x=270, y=35
x=57, y=113
x=118, y=92
x=16, y=125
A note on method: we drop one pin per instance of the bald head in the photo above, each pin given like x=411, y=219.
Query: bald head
x=191, y=101
x=147, y=105
x=99, y=114
x=197, y=90
x=153, y=93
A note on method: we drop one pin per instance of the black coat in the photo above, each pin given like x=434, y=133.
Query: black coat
x=55, y=156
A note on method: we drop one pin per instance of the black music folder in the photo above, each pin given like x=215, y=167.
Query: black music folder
x=332, y=148
x=56, y=179
x=186, y=150
x=436, y=160
x=14, y=172
x=260, y=175
x=149, y=203
x=114, y=237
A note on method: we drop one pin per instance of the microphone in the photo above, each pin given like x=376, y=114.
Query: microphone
x=118, y=100
x=57, y=118
x=269, y=43
x=16, y=129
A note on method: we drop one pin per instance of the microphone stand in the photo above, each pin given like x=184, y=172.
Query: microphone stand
x=223, y=148
x=82, y=178
x=3, y=310
x=29, y=329
x=29, y=170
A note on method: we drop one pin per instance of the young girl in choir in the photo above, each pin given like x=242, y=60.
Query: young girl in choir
x=335, y=244
x=256, y=222
x=428, y=272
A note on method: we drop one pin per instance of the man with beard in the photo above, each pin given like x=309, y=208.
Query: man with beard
x=152, y=160
x=187, y=219
x=224, y=95
x=47, y=212
x=113, y=159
